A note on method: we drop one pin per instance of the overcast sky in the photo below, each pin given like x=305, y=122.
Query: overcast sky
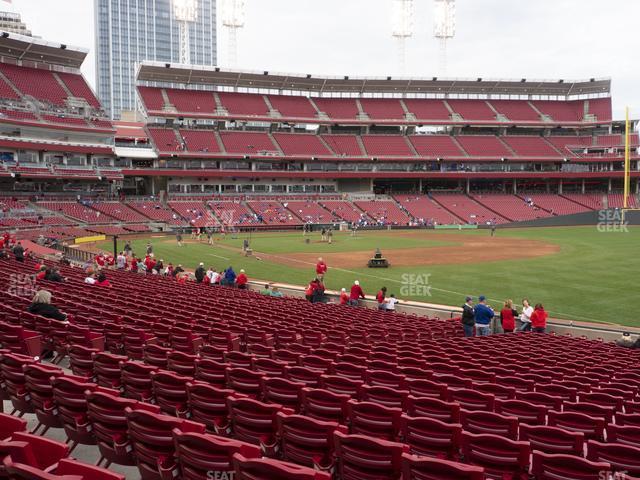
x=541, y=39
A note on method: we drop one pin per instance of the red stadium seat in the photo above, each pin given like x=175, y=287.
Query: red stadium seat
x=553, y=439
x=499, y=456
x=549, y=466
x=282, y=391
x=208, y=405
x=199, y=455
x=525, y=412
x=434, y=408
x=324, y=405
x=136, y=380
x=253, y=422
x=267, y=469
x=430, y=437
x=489, y=422
x=624, y=459
x=66, y=469
x=424, y=468
x=591, y=427
x=361, y=457
x=170, y=392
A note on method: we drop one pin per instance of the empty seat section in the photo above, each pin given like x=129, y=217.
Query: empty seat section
x=192, y=101
x=300, y=144
x=467, y=209
x=79, y=88
x=243, y=103
x=293, y=106
x=435, y=146
x=385, y=212
x=516, y=110
x=570, y=145
x=601, y=108
x=560, y=111
x=472, y=109
x=531, y=146
x=338, y=108
x=156, y=211
x=309, y=211
x=165, y=139
x=511, y=207
x=119, y=211
x=387, y=145
x=382, y=108
x=344, y=145
x=152, y=98
x=422, y=208
x=233, y=213
x=345, y=210
x=273, y=213
x=40, y=84
x=428, y=109
x=196, y=213
x=483, y=146
x=247, y=142
x=200, y=141
x=77, y=211
x=556, y=204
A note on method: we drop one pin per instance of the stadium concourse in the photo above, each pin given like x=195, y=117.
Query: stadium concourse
x=277, y=388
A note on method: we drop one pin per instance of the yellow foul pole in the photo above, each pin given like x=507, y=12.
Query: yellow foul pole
x=627, y=162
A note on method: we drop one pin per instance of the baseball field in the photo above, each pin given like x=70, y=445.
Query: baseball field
x=578, y=273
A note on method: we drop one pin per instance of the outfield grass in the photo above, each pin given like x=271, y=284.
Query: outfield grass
x=590, y=279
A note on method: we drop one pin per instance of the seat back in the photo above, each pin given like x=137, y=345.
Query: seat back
x=170, y=392
x=267, y=469
x=430, y=437
x=424, y=468
x=591, y=427
x=282, y=391
x=253, y=421
x=366, y=418
x=624, y=459
x=362, y=457
x=432, y=407
x=324, y=405
x=549, y=466
x=525, y=412
x=136, y=380
x=106, y=368
x=208, y=405
x=499, y=456
x=198, y=454
x=489, y=422
x=552, y=439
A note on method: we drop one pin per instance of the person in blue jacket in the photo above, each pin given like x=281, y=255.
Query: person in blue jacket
x=483, y=316
x=229, y=277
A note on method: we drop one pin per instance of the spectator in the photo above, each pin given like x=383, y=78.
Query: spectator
x=308, y=293
x=41, y=305
x=168, y=272
x=229, y=277
x=102, y=281
x=539, y=319
x=127, y=249
x=178, y=270
x=53, y=275
x=91, y=279
x=181, y=278
x=508, y=317
x=391, y=303
x=18, y=252
x=321, y=269
x=241, y=280
x=344, y=296
x=121, y=261
x=468, y=317
x=380, y=297
x=158, y=267
x=627, y=341
x=149, y=249
x=275, y=292
x=356, y=294
x=483, y=316
x=215, y=277
x=200, y=273
x=317, y=296
x=134, y=264
x=525, y=317
x=142, y=267
x=41, y=273
x=266, y=290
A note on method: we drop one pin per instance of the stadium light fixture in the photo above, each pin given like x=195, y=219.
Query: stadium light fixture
x=403, y=19
x=185, y=13
x=233, y=19
x=444, y=27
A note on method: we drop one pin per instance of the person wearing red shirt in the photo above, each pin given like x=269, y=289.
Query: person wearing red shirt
x=539, y=319
x=102, y=281
x=321, y=269
x=134, y=264
x=380, y=297
x=344, y=296
x=181, y=278
x=100, y=260
x=508, y=317
x=110, y=261
x=241, y=280
x=42, y=273
x=149, y=262
x=356, y=294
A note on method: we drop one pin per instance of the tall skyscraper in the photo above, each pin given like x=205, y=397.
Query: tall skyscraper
x=130, y=31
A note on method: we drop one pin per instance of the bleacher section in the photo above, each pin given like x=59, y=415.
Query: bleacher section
x=273, y=213
x=530, y=146
x=387, y=146
x=310, y=212
x=200, y=141
x=345, y=210
x=516, y=110
x=467, y=209
x=556, y=204
x=243, y=104
x=196, y=213
x=120, y=211
x=77, y=211
x=384, y=212
x=193, y=101
x=472, y=109
x=301, y=144
x=425, y=211
x=483, y=146
x=247, y=142
x=235, y=214
x=157, y=212
x=344, y=145
x=511, y=207
x=292, y=106
x=436, y=146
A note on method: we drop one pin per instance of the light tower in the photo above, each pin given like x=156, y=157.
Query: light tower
x=233, y=13
x=444, y=27
x=186, y=12
x=403, y=22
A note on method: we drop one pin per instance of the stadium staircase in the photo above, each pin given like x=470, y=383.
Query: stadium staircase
x=275, y=143
x=362, y=115
x=220, y=109
x=219, y=141
x=326, y=145
x=321, y=115
x=459, y=145
x=542, y=115
x=411, y=146
x=451, y=212
x=507, y=146
x=273, y=112
x=361, y=145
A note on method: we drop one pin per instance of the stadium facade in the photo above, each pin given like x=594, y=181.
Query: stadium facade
x=130, y=31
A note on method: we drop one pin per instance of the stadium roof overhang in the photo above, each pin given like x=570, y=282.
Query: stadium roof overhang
x=21, y=47
x=215, y=76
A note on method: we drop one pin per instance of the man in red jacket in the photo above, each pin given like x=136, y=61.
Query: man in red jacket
x=356, y=294
x=321, y=269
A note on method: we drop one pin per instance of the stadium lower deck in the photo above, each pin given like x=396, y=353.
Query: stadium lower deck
x=277, y=388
